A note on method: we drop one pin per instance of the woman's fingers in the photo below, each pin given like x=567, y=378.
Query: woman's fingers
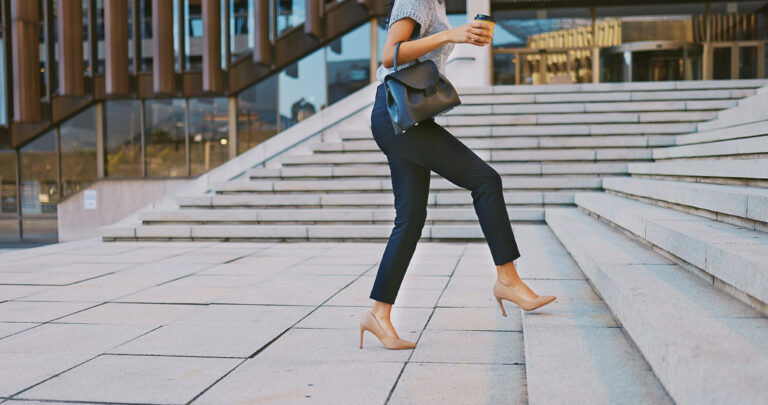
x=481, y=32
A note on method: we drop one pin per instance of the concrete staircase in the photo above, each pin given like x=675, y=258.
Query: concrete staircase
x=658, y=191
x=548, y=143
x=679, y=252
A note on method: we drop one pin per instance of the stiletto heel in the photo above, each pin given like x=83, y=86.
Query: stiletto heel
x=503, y=291
x=370, y=323
x=503, y=312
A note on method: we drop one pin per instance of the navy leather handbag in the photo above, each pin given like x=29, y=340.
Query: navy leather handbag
x=416, y=93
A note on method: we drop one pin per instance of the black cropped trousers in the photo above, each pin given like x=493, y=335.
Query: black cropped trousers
x=411, y=156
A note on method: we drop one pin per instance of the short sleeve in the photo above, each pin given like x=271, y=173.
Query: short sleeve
x=412, y=9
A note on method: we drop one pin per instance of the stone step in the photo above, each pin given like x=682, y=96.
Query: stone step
x=750, y=203
x=724, y=168
x=704, y=346
x=382, y=199
x=597, y=107
x=721, y=134
x=382, y=170
x=580, y=97
x=577, y=118
x=324, y=215
x=336, y=185
x=733, y=147
x=579, y=327
x=734, y=255
x=612, y=87
x=672, y=128
x=378, y=232
x=570, y=155
x=501, y=143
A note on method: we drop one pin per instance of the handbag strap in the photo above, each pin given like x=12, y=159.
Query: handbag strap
x=397, y=46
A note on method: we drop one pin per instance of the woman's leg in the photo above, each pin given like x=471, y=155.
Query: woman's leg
x=410, y=185
x=431, y=146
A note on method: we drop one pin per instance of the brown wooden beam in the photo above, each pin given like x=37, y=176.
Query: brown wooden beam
x=162, y=41
x=116, y=47
x=213, y=78
x=70, y=30
x=313, y=23
x=25, y=29
x=262, y=48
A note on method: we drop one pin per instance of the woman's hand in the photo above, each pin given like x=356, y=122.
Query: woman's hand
x=475, y=33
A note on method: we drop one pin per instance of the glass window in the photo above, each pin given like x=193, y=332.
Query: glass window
x=8, y=199
x=208, y=133
x=721, y=63
x=739, y=20
x=3, y=110
x=165, y=138
x=193, y=34
x=290, y=13
x=9, y=222
x=241, y=24
x=123, y=139
x=748, y=62
x=651, y=43
x=147, y=46
x=349, y=62
x=302, y=88
x=39, y=186
x=257, y=114
x=78, y=152
x=100, y=35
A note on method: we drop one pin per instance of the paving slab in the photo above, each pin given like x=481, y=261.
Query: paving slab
x=405, y=319
x=423, y=383
x=19, y=371
x=474, y=319
x=457, y=346
x=71, y=338
x=10, y=328
x=289, y=289
x=24, y=311
x=277, y=381
x=118, y=313
x=142, y=379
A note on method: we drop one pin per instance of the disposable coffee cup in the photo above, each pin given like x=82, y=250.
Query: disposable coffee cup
x=486, y=19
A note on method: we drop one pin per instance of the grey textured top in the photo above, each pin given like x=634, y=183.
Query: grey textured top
x=432, y=18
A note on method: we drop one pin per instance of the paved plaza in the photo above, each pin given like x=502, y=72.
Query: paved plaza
x=230, y=322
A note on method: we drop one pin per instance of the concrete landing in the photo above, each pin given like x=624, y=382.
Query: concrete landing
x=221, y=323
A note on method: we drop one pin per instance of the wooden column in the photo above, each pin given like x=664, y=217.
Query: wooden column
x=70, y=27
x=312, y=25
x=262, y=48
x=213, y=78
x=26, y=60
x=116, y=47
x=162, y=41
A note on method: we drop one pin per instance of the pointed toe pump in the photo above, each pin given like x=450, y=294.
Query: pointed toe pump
x=502, y=291
x=368, y=322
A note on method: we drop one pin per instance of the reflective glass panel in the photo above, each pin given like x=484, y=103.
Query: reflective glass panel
x=748, y=62
x=193, y=34
x=123, y=139
x=208, y=133
x=78, y=152
x=165, y=138
x=290, y=13
x=3, y=109
x=257, y=114
x=241, y=24
x=721, y=63
x=8, y=198
x=302, y=89
x=39, y=188
x=146, y=35
x=349, y=61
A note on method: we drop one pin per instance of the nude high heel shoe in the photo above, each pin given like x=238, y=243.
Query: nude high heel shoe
x=503, y=291
x=368, y=322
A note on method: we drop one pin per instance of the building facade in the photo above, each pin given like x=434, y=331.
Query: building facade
x=96, y=90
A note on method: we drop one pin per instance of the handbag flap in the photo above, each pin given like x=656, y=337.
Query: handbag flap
x=420, y=75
